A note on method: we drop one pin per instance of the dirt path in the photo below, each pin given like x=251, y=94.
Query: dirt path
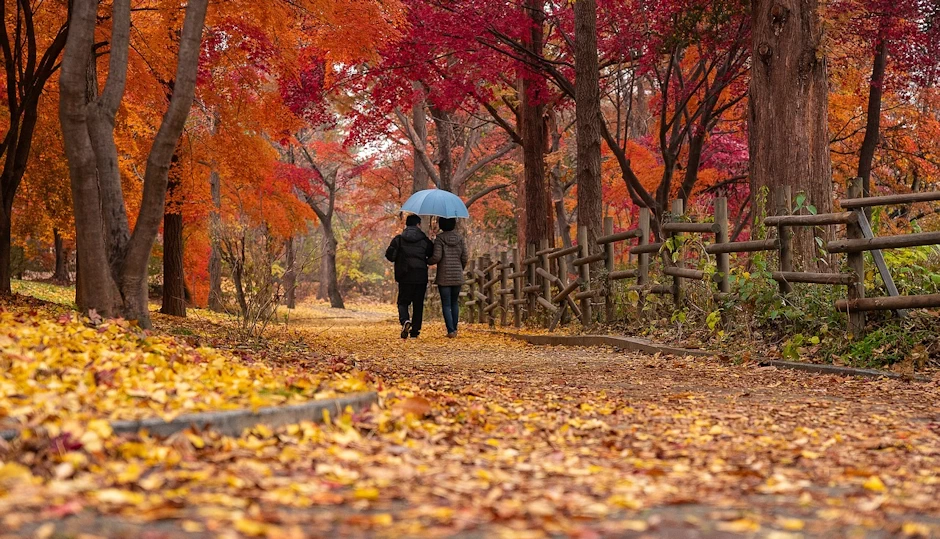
x=483, y=436
x=529, y=434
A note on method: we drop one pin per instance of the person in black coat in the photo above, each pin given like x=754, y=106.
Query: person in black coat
x=410, y=251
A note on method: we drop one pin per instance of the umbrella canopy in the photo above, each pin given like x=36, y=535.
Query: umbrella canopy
x=436, y=202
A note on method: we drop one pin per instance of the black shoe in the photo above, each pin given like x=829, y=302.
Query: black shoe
x=405, y=328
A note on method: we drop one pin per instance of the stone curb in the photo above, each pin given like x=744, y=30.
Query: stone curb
x=634, y=344
x=234, y=422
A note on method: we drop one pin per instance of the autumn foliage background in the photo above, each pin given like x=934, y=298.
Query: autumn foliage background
x=315, y=121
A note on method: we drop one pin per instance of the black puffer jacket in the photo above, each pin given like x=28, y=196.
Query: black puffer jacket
x=450, y=255
x=410, y=251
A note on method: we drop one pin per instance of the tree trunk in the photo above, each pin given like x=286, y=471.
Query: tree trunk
x=873, y=121
x=237, y=272
x=6, y=259
x=134, y=269
x=443, y=123
x=174, y=285
x=61, y=273
x=328, y=268
x=788, y=109
x=215, y=250
x=587, y=114
x=115, y=276
x=27, y=69
x=290, y=276
x=538, y=215
x=95, y=290
x=421, y=180
x=637, y=122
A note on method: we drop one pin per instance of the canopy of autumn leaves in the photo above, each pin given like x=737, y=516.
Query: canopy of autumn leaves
x=350, y=76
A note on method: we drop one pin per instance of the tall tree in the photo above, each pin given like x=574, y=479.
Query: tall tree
x=30, y=58
x=532, y=97
x=112, y=257
x=588, y=114
x=174, y=285
x=788, y=110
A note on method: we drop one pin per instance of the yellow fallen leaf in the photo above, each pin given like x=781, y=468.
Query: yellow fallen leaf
x=191, y=526
x=742, y=525
x=874, y=484
x=196, y=440
x=382, y=519
x=366, y=493
x=119, y=497
x=45, y=531
x=916, y=529
x=131, y=474
x=792, y=524
x=250, y=527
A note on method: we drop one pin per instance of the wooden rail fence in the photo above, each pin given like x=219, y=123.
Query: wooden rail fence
x=519, y=286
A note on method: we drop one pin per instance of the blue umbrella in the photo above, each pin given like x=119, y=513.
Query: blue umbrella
x=436, y=202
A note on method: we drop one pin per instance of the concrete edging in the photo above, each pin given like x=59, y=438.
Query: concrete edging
x=234, y=422
x=642, y=345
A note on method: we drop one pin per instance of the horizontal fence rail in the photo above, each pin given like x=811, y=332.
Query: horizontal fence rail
x=565, y=283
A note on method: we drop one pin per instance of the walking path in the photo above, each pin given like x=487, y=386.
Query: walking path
x=550, y=437
x=486, y=436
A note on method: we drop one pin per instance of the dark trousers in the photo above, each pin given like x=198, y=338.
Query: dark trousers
x=408, y=295
x=450, y=303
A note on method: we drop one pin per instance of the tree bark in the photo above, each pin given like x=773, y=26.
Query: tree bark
x=61, y=273
x=421, y=179
x=215, y=252
x=788, y=110
x=134, y=274
x=873, y=120
x=96, y=289
x=174, y=285
x=588, y=116
x=443, y=123
x=290, y=276
x=6, y=258
x=538, y=215
x=328, y=273
x=115, y=276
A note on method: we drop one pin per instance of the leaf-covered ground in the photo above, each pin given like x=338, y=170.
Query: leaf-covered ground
x=482, y=436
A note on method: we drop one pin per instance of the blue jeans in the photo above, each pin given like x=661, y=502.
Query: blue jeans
x=450, y=303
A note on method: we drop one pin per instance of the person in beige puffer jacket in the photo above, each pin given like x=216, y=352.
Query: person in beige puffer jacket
x=451, y=256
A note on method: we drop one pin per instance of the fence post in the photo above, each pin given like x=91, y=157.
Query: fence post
x=504, y=288
x=481, y=276
x=546, y=284
x=490, y=290
x=532, y=280
x=643, y=260
x=562, y=263
x=585, y=272
x=784, y=235
x=471, y=291
x=677, y=211
x=609, y=265
x=517, y=288
x=722, y=260
x=856, y=263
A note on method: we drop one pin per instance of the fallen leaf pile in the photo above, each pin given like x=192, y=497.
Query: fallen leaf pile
x=57, y=372
x=47, y=292
x=481, y=434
